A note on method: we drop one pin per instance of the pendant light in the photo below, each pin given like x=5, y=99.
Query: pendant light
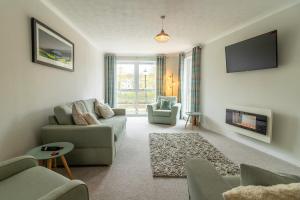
x=162, y=36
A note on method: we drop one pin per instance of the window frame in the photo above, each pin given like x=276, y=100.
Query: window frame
x=186, y=103
x=136, y=89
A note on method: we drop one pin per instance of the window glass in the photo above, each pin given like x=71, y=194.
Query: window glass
x=125, y=78
x=136, y=85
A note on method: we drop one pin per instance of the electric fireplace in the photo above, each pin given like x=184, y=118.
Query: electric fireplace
x=250, y=121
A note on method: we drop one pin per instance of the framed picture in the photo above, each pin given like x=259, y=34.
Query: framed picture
x=50, y=48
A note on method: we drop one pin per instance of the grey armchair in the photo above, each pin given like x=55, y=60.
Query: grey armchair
x=205, y=183
x=22, y=178
x=156, y=115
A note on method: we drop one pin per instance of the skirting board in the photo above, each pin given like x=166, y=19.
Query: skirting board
x=244, y=140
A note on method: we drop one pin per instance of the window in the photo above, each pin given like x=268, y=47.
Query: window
x=187, y=80
x=136, y=85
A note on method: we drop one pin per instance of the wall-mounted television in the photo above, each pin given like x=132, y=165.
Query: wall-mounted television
x=255, y=53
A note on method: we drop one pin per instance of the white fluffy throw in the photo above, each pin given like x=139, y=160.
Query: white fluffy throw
x=275, y=192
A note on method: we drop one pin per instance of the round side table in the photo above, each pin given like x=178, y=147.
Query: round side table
x=195, y=118
x=51, y=159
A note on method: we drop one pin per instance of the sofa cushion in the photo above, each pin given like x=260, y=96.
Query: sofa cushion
x=172, y=99
x=162, y=113
x=32, y=183
x=90, y=107
x=78, y=116
x=165, y=104
x=117, y=123
x=251, y=175
x=81, y=106
x=90, y=119
x=105, y=110
x=63, y=114
x=52, y=120
x=97, y=106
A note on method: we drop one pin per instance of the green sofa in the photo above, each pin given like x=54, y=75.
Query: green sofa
x=156, y=115
x=94, y=144
x=22, y=178
x=204, y=182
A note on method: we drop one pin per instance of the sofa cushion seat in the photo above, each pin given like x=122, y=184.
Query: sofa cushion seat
x=117, y=123
x=162, y=113
x=32, y=183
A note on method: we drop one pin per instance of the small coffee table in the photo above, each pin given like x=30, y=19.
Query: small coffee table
x=51, y=159
x=195, y=118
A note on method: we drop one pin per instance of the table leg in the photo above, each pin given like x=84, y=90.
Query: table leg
x=54, y=163
x=64, y=161
x=49, y=163
x=194, y=121
x=187, y=121
x=41, y=163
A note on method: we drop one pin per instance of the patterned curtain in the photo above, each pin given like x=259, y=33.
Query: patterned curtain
x=196, y=68
x=160, y=75
x=109, y=70
x=180, y=79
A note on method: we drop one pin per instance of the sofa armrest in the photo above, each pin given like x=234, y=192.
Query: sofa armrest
x=16, y=165
x=175, y=109
x=152, y=107
x=119, y=111
x=75, y=190
x=204, y=182
x=80, y=136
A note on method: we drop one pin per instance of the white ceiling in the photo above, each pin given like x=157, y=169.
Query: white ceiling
x=128, y=26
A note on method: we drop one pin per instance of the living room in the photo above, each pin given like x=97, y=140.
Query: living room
x=149, y=99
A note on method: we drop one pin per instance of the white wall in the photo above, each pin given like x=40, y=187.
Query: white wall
x=29, y=91
x=277, y=89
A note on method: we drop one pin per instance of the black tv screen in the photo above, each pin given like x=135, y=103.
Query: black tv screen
x=256, y=53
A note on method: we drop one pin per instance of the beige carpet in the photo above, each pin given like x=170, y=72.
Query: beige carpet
x=130, y=176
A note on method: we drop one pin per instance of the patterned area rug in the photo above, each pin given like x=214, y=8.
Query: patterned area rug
x=169, y=152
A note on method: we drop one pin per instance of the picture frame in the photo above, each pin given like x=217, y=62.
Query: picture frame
x=51, y=48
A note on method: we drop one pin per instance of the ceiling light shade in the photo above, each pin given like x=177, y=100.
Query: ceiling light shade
x=162, y=36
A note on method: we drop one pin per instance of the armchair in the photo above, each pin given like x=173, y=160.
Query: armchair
x=156, y=115
x=22, y=178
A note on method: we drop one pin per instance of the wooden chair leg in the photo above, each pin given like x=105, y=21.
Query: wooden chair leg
x=187, y=121
x=49, y=163
x=64, y=161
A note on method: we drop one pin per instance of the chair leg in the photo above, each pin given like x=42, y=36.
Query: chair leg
x=187, y=121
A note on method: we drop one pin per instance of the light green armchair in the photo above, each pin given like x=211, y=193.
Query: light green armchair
x=22, y=178
x=156, y=115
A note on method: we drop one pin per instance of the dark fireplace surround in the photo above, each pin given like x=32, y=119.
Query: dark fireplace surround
x=250, y=121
